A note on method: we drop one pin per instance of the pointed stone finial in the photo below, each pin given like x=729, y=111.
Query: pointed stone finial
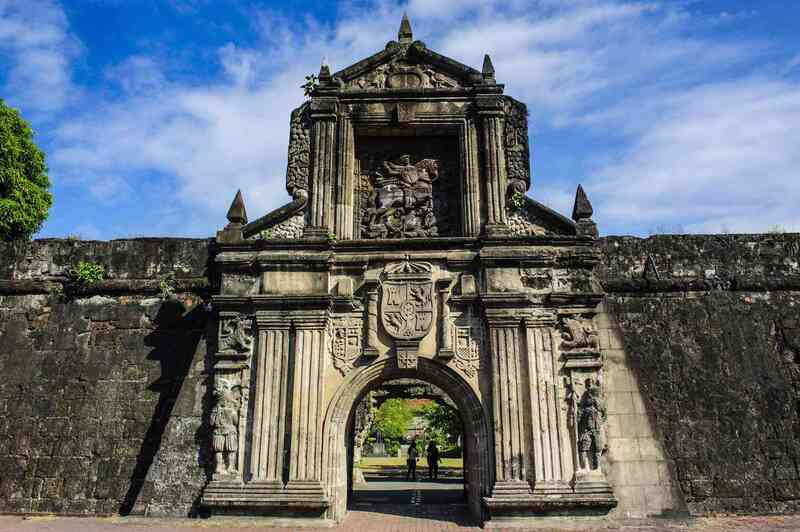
x=405, y=35
x=583, y=208
x=488, y=68
x=324, y=72
x=237, y=213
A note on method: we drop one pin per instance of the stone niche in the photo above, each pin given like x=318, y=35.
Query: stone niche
x=408, y=183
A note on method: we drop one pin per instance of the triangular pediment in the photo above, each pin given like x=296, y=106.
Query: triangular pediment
x=409, y=66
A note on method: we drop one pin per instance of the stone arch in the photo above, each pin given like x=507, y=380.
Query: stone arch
x=478, y=471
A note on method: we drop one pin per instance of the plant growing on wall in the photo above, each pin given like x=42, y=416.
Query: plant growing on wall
x=87, y=273
x=24, y=196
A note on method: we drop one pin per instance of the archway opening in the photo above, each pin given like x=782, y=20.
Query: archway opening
x=406, y=447
x=475, y=479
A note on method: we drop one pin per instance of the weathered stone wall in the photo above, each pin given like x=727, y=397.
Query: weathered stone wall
x=102, y=386
x=710, y=330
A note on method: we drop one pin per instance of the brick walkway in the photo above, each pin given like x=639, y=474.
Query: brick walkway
x=423, y=518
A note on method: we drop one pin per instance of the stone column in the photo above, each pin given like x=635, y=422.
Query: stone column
x=345, y=181
x=494, y=162
x=323, y=167
x=445, y=350
x=305, y=467
x=371, y=288
x=509, y=426
x=471, y=186
x=269, y=406
x=551, y=442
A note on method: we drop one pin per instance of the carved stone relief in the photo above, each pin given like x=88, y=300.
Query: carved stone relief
x=407, y=186
x=407, y=300
x=516, y=141
x=468, y=349
x=235, y=334
x=346, y=342
x=401, y=74
x=299, y=151
x=225, y=425
x=401, y=202
x=578, y=333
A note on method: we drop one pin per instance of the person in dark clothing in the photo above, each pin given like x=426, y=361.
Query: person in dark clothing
x=433, y=461
x=413, y=454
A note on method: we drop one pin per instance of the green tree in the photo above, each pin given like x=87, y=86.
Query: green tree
x=24, y=196
x=393, y=418
x=443, y=423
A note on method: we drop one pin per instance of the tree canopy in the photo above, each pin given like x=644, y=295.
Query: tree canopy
x=393, y=418
x=24, y=196
x=443, y=423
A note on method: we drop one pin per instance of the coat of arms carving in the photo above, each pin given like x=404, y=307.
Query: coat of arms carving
x=407, y=300
x=346, y=333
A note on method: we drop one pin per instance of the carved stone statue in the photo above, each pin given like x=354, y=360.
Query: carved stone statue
x=591, y=416
x=401, y=203
x=578, y=334
x=225, y=425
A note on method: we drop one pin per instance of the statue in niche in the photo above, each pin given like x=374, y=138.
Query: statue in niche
x=225, y=425
x=591, y=415
x=234, y=335
x=401, y=202
x=578, y=333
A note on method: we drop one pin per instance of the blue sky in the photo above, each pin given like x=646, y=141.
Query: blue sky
x=676, y=116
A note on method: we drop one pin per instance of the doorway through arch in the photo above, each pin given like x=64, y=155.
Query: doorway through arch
x=339, y=421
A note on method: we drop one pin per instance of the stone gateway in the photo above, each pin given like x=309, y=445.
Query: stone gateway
x=406, y=169
x=615, y=377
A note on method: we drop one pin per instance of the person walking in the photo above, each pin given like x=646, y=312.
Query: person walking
x=433, y=461
x=411, y=461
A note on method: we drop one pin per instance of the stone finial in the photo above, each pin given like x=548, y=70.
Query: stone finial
x=237, y=213
x=582, y=214
x=488, y=68
x=324, y=72
x=583, y=208
x=405, y=35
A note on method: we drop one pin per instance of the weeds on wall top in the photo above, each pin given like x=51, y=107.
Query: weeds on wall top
x=87, y=273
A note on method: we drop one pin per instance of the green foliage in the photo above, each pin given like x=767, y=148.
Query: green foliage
x=517, y=200
x=24, y=197
x=310, y=84
x=166, y=285
x=443, y=424
x=392, y=419
x=87, y=273
x=267, y=234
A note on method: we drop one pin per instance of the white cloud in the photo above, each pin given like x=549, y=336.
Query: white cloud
x=678, y=146
x=38, y=50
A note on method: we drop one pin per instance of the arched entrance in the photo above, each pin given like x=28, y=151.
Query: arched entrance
x=477, y=462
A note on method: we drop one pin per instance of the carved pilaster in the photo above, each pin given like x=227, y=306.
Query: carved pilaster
x=345, y=181
x=494, y=163
x=371, y=287
x=305, y=468
x=509, y=428
x=471, y=188
x=445, y=350
x=269, y=407
x=551, y=445
x=323, y=167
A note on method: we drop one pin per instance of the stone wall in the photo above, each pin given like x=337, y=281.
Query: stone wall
x=102, y=386
x=710, y=334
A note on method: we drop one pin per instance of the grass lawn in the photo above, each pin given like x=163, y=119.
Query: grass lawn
x=376, y=463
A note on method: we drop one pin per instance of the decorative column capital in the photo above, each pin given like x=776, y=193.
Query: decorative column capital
x=272, y=320
x=311, y=319
x=324, y=108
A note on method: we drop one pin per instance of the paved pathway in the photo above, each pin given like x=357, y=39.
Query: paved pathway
x=393, y=505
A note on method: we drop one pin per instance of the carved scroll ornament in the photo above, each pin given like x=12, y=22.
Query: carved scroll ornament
x=235, y=335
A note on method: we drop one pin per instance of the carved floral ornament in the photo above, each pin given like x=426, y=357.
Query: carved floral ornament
x=235, y=334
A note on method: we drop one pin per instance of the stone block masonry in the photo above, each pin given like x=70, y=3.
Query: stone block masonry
x=103, y=386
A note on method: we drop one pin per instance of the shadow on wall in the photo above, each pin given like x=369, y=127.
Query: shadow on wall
x=174, y=342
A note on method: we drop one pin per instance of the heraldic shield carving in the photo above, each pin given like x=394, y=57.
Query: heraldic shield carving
x=407, y=300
